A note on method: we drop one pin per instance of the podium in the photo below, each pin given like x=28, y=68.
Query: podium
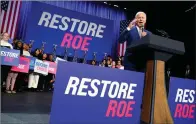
x=155, y=51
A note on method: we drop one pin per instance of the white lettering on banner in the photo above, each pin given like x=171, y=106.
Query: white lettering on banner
x=185, y=96
x=20, y=66
x=41, y=67
x=64, y=23
x=87, y=86
x=9, y=54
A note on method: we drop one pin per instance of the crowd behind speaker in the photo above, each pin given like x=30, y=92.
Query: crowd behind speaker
x=45, y=83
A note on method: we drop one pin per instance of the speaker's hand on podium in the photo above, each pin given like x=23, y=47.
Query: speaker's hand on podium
x=131, y=24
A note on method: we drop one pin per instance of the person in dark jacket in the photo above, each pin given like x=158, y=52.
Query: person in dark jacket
x=50, y=78
x=42, y=78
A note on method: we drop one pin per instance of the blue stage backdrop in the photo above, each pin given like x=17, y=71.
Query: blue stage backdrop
x=79, y=31
x=86, y=94
x=182, y=101
x=88, y=7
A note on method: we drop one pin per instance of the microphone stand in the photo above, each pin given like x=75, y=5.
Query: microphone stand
x=31, y=45
x=75, y=56
x=163, y=33
x=65, y=53
x=43, y=45
x=54, y=51
x=84, y=58
x=187, y=72
x=168, y=73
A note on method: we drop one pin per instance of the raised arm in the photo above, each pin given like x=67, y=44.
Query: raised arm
x=125, y=34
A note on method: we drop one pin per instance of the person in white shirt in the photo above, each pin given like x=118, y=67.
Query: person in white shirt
x=4, y=43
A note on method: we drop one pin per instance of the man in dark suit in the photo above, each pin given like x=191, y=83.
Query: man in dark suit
x=134, y=32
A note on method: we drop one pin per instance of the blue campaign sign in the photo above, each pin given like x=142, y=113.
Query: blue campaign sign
x=32, y=62
x=9, y=57
x=182, y=95
x=83, y=32
x=86, y=94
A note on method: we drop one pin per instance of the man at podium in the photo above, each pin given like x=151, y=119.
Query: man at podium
x=133, y=32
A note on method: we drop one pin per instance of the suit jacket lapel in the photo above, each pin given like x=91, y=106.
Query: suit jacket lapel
x=136, y=33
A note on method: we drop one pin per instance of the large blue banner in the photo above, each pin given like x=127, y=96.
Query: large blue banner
x=75, y=30
x=9, y=57
x=182, y=97
x=86, y=94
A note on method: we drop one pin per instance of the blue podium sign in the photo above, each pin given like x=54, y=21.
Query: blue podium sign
x=86, y=94
x=182, y=97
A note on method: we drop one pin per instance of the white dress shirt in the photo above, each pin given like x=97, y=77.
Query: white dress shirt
x=6, y=44
x=26, y=53
x=138, y=29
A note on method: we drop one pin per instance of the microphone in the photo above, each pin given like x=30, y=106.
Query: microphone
x=142, y=28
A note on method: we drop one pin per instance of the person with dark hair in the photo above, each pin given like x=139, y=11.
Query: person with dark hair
x=108, y=63
x=119, y=65
x=42, y=78
x=14, y=41
x=11, y=78
x=50, y=78
x=103, y=63
x=113, y=64
x=93, y=62
x=34, y=77
x=22, y=77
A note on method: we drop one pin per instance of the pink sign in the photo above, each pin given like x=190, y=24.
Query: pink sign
x=52, y=67
x=23, y=65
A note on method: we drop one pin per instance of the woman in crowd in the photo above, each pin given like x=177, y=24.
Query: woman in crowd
x=34, y=77
x=22, y=77
x=11, y=78
x=108, y=64
x=103, y=63
x=50, y=78
x=93, y=62
x=113, y=64
x=4, y=43
x=119, y=65
x=42, y=78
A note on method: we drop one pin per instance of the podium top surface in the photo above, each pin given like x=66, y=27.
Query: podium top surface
x=157, y=43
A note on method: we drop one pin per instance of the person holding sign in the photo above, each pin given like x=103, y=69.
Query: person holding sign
x=42, y=78
x=4, y=43
x=34, y=77
x=22, y=76
x=12, y=75
x=50, y=78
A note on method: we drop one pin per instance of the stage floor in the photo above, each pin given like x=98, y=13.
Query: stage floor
x=26, y=108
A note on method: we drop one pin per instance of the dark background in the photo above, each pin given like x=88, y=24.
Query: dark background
x=172, y=17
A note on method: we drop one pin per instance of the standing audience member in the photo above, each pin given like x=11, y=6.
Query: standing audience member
x=22, y=77
x=50, y=78
x=109, y=58
x=119, y=65
x=93, y=62
x=103, y=64
x=34, y=77
x=42, y=78
x=11, y=78
x=113, y=64
x=14, y=41
x=5, y=69
x=108, y=64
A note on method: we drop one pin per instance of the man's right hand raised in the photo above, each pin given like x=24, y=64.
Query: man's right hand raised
x=131, y=24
